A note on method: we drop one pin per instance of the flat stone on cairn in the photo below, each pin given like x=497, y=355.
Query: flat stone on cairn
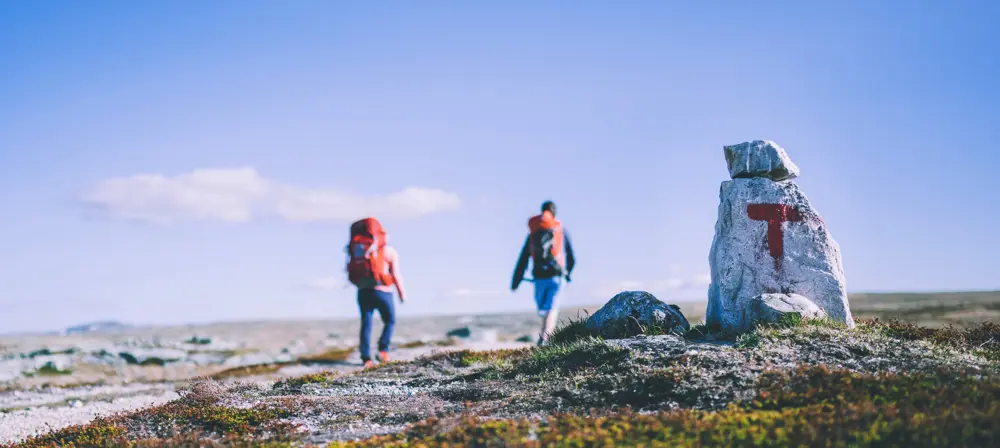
x=760, y=158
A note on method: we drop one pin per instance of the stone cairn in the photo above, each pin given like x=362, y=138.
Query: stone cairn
x=772, y=254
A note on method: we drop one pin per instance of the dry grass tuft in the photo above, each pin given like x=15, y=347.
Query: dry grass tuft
x=333, y=356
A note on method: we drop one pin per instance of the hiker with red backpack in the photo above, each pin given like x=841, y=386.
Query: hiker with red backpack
x=373, y=266
x=551, y=255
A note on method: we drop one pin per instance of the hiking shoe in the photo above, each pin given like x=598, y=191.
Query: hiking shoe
x=369, y=364
x=542, y=341
x=383, y=357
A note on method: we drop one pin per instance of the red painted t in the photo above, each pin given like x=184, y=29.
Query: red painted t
x=774, y=214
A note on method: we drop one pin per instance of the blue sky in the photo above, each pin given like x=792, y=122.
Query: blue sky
x=165, y=162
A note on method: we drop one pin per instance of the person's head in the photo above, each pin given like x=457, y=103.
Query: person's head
x=549, y=206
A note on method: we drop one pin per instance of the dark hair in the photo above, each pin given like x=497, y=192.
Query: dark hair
x=549, y=206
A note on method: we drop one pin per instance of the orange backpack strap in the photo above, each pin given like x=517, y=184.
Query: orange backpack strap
x=380, y=267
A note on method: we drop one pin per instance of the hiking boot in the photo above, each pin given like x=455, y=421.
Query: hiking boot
x=542, y=341
x=369, y=364
x=383, y=357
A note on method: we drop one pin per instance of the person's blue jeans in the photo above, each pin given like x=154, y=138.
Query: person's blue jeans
x=547, y=294
x=370, y=300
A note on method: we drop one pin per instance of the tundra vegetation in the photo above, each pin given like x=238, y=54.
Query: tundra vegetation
x=799, y=383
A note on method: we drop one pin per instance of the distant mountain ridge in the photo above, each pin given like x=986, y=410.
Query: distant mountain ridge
x=107, y=326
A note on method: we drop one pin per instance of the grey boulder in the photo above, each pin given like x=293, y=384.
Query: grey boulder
x=760, y=158
x=153, y=356
x=636, y=312
x=461, y=332
x=778, y=308
x=769, y=239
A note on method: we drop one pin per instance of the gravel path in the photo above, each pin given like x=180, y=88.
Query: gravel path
x=22, y=423
x=24, y=413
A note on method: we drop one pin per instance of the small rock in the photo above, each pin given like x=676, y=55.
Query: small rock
x=630, y=312
x=463, y=332
x=760, y=158
x=195, y=340
x=154, y=357
x=776, y=308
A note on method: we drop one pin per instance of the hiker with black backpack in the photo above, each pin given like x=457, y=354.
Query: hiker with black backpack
x=373, y=266
x=552, y=259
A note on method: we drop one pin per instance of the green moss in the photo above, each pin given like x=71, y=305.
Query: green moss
x=215, y=418
x=227, y=420
x=100, y=432
x=312, y=378
x=639, y=388
x=806, y=407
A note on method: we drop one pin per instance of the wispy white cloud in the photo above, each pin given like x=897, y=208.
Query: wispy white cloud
x=238, y=195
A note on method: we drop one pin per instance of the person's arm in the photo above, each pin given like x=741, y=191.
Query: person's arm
x=522, y=265
x=396, y=276
x=570, y=259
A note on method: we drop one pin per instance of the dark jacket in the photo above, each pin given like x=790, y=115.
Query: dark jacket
x=522, y=263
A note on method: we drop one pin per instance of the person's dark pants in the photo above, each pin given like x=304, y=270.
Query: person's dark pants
x=370, y=300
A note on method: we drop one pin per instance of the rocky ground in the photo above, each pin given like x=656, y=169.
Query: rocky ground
x=51, y=381
x=814, y=383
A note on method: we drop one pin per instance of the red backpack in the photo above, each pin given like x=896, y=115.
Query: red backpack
x=366, y=264
x=546, y=244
